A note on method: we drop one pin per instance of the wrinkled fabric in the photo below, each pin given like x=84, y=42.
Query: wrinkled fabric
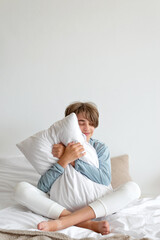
x=139, y=220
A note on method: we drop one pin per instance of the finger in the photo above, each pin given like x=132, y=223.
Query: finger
x=80, y=148
x=54, y=152
x=54, y=148
x=55, y=145
x=57, y=150
x=73, y=144
x=78, y=145
x=83, y=154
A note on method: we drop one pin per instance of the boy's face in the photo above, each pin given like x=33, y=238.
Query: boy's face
x=86, y=127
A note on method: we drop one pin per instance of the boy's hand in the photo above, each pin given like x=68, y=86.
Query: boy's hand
x=73, y=164
x=58, y=150
x=72, y=152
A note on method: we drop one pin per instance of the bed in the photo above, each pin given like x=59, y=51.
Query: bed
x=139, y=220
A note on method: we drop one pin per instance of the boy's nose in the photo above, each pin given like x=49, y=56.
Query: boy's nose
x=86, y=127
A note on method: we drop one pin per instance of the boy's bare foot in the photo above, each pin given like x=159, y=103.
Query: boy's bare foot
x=100, y=227
x=55, y=225
x=51, y=225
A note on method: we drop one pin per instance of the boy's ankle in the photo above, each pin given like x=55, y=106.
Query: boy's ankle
x=64, y=213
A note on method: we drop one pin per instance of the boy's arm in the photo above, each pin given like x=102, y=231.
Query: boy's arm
x=49, y=177
x=72, y=152
x=101, y=175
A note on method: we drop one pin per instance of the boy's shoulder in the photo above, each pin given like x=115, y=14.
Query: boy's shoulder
x=98, y=144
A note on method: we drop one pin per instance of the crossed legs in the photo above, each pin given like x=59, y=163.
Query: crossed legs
x=104, y=206
x=40, y=203
x=80, y=218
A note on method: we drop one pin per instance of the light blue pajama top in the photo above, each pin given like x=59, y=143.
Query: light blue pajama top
x=101, y=175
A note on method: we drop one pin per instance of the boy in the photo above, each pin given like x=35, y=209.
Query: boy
x=88, y=117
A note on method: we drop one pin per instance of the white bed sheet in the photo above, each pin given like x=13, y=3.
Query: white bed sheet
x=138, y=220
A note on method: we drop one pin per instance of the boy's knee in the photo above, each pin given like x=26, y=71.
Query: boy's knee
x=132, y=189
x=22, y=191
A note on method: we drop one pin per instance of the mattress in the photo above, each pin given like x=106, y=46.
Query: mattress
x=140, y=219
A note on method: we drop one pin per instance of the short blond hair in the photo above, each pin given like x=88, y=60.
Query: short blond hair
x=89, y=110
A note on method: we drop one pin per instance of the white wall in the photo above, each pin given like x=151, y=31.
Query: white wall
x=53, y=52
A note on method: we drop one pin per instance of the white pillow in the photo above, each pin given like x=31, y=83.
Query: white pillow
x=37, y=148
x=73, y=190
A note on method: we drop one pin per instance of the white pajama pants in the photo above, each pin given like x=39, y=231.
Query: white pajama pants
x=40, y=203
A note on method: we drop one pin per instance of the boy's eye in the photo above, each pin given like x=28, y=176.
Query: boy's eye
x=80, y=123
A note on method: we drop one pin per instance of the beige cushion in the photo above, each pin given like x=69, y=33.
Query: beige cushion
x=120, y=170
